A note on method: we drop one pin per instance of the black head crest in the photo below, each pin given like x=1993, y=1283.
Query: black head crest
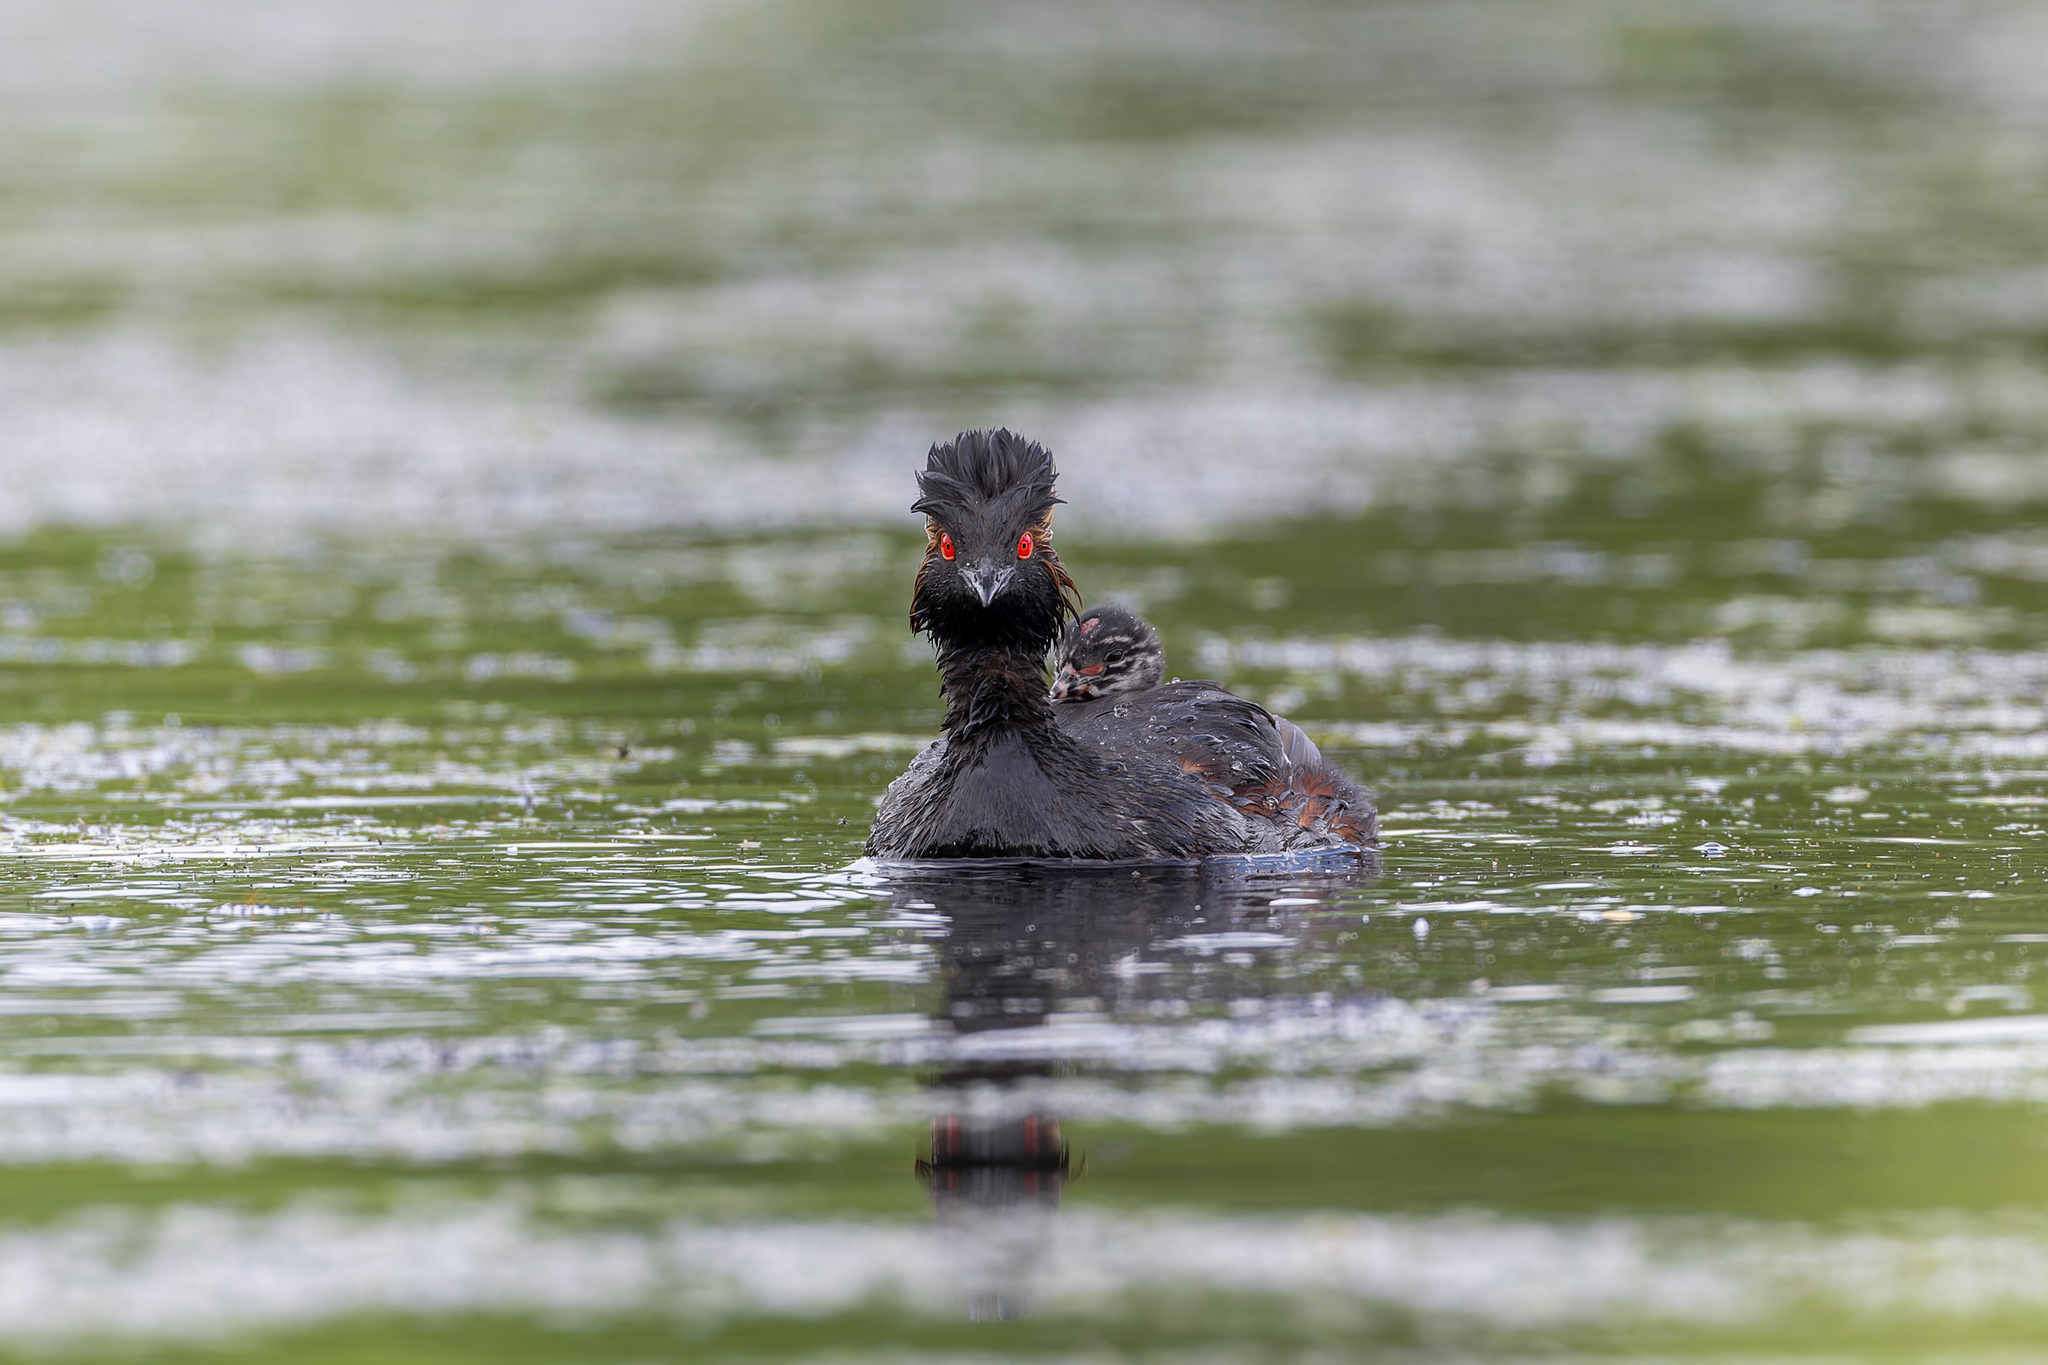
x=983, y=474
x=990, y=574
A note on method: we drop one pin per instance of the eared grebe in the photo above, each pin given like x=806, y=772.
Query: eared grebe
x=1187, y=771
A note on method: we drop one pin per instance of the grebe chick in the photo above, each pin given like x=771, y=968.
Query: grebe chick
x=1107, y=649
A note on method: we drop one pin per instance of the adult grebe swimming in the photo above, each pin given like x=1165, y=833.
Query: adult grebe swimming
x=1190, y=772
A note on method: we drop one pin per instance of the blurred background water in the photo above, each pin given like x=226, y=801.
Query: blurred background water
x=456, y=465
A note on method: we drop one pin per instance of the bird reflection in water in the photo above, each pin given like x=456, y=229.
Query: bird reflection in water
x=994, y=1179
x=1028, y=943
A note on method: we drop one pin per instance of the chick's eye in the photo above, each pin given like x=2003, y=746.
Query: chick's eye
x=945, y=547
x=1116, y=656
x=1024, y=546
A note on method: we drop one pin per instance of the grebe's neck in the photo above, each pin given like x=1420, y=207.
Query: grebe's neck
x=993, y=689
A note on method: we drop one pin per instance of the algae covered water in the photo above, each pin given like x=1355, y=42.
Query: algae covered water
x=452, y=639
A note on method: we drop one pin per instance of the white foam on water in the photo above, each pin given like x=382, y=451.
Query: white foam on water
x=298, y=431
x=78, y=50
x=2023, y=1028
x=1898, y=1066
x=259, y=762
x=295, y=431
x=197, y=1271
x=1976, y=703
x=277, y=1089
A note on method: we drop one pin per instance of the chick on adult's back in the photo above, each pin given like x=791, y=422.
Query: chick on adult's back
x=1109, y=672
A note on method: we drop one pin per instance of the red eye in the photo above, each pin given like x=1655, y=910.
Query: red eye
x=1024, y=546
x=945, y=547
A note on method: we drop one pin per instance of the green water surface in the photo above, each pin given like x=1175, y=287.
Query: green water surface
x=454, y=553
x=498, y=911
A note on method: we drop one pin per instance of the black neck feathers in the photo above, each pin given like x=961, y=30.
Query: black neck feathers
x=991, y=690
